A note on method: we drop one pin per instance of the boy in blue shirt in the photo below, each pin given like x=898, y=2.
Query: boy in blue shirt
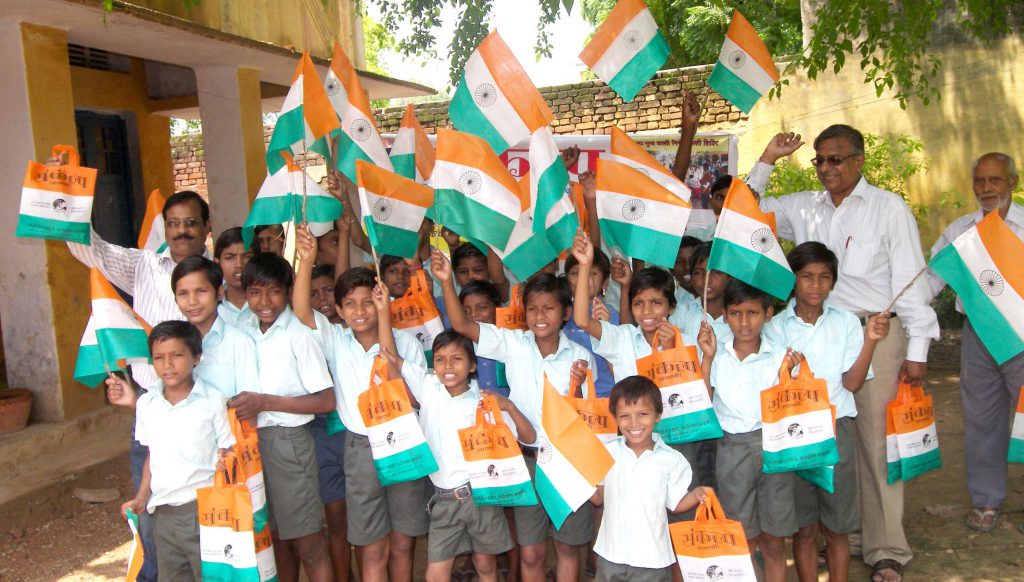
x=840, y=351
x=746, y=364
x=480, y=301
x=597, y=275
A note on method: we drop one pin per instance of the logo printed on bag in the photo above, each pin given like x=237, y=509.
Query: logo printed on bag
x=715, y=572
x=916, y=413
x=390, y=438
x=790, y=398
x=60, y=206
x=384, y=410
x=795, y=430
x=927, y=438
x=675, y=401
x=227, y=552
x=674, y=370
x=59, y=176
x=492, y=472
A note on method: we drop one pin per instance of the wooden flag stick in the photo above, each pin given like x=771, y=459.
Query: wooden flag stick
x=304, y=197
x=905, y=289
x=704, y=297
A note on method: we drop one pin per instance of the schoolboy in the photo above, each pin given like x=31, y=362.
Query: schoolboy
x=599, y=272
x=480, y=301
x=269, y=238
x=321, y=293
x=395, y=272
x=840, y=352
x=383, y=522
x=448, y=400
x=327, y=247
x=294, y=384
x=185, y=426
x=648, y=478
x=529, y=356
x=688, y=319
x=681, y=269
x=746, y=364
x=230, y=254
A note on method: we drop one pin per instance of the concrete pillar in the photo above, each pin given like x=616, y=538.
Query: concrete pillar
x=232, y=117
x=44, y=292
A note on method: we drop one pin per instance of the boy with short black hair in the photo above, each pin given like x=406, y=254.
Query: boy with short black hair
x=648, y=478
x=185, y=426
x=597, y=274
x=840, y=352
x=480, y=301
x=746, y=364
x=230, y=254
x=269, y=238
x=294, y=385
x=322, y=292
x=688, y=317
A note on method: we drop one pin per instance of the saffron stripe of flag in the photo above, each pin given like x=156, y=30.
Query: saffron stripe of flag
x=280, y=200
x=548, y=176
x=626, y=151
x=358, y=138
x=305, y=117
x=396, y=205
x=745, y=246
x=474, y=195
x=627, y=49
x=984, y=267
x=571, y=460
x=745, y=69
x=495, y=98
x=120, y=332
x=412, y=154
x=637, y=216
x=152, y=237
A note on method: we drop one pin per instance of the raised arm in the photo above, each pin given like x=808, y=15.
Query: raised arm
x=623, y=275
x=385, y=333
x=781, y=145
x=442, y=271
x=708, y=344
x=525, y=432
x=691, y=113
x=305, y=248
x=118, y=264
x=496, y=271
x=589, y=184
x=343, y=258
x=584, y=253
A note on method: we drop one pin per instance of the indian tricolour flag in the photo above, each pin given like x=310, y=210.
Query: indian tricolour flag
x=495, y=98
x=638, y=217
x=571, y=460
x=984, y=267
x=548, y=177
x=626, y=151
x=745, y=245
x=280, y=200
x=393, y=208
x=412, y=154
x=474, y=195
x=306, y=116
x=627, y=49
x=527, y=251
x=745, y=69
x=120, y=333
x=152, y=236
x=358, y=138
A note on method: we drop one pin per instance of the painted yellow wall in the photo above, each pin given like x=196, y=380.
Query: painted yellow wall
x=312, y=25
x=53, y=122
x=981, y=110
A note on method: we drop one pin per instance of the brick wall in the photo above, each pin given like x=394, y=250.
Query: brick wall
x=587, y=107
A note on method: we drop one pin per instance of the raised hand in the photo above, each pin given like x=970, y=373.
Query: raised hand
x=877, y=327
x=599, y=310
x=440, y=267
x=666, y=335
x=381, y=297
x=621, y=272
x=781, y=146
x=706, y=340
x=583, y=250
x=120, y=392
x=336, y=185
x=570, y=156
x=589, y=182
x=692, y=110
x=305, y=243
x=578, y=373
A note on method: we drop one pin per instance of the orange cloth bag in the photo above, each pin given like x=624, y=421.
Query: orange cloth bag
x=513, y=316
x=712, y=547
x=593, y=410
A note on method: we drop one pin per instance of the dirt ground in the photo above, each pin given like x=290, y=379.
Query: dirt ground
x=51, y=535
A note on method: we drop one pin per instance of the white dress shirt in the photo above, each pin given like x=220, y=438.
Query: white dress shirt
x=875, y=237
x=1014, y=219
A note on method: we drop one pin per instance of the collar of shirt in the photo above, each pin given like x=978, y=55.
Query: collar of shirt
x=765, y=351
x=659, y=444
x=1014, y=215
x=564, y=345
x=789, y=313
x=216, y=333
x=861, y=190
x=198, y=391
x=281, y=323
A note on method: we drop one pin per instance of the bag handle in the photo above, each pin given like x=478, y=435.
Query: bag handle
x=710, y=509
x=514, y=300
x=656, y=342
x=786, y=372
x=380, y=369
x=574, y=386
x=488, y=413
x=228, y=475
x=905, y=392
x=241, y=429
x=72, y=153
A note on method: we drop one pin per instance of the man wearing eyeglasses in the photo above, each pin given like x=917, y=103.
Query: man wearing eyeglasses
x=988, y=390
x=876, y=239
x=146, y=276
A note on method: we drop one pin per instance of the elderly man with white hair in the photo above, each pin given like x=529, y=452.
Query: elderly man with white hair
x=988, y=390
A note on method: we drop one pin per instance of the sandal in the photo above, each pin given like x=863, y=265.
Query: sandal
x=982, y=519
x=823, y=559
x=883, y=565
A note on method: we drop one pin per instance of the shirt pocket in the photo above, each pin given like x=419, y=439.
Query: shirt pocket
x=859, y=256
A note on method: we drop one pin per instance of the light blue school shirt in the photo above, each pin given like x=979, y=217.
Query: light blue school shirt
x=738, y=383
x=291, y=363
x=687, y=317
x=233, y=315
x=525, y=367
x=831, y=346
x=604, y=382
x=228, y=364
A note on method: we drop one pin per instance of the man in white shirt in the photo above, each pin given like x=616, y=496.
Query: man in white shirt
x=874, y=234
x=146, y=276
x=988, y=391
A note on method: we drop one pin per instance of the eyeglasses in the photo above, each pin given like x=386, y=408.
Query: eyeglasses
x=187, y=223
x=818, y=161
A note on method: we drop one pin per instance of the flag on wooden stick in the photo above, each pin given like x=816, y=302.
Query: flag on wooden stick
x=305, y=117
x=627, y=49
x=745, y=69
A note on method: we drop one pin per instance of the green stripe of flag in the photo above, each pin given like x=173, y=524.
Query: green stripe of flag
x=806, y=457
x=562, y=233
x=116, y=344
x=89, y=369
x=551, y=187
x=468, y=118
x=288, y=208
x=472, y=219
x=397, y=241
x=639, y=70
x=406, y=466
x=553, y=503
x=348, y=154
x=405, y=165
x=35, y=227
x=530, y=257
x=988, y=322
x=638, y=242
x=752, y=268
x=1016, y=452
x=732, y=88
x=290, y=128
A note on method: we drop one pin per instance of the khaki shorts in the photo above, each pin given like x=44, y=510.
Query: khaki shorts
x=458, y=526
x=292, y=480
x=839, y=511
x=612, y=572
x=176, y=531
x=375, y=511
x=533, y=526
x=761, y=502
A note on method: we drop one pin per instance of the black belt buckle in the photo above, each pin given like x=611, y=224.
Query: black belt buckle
x=462, y=492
